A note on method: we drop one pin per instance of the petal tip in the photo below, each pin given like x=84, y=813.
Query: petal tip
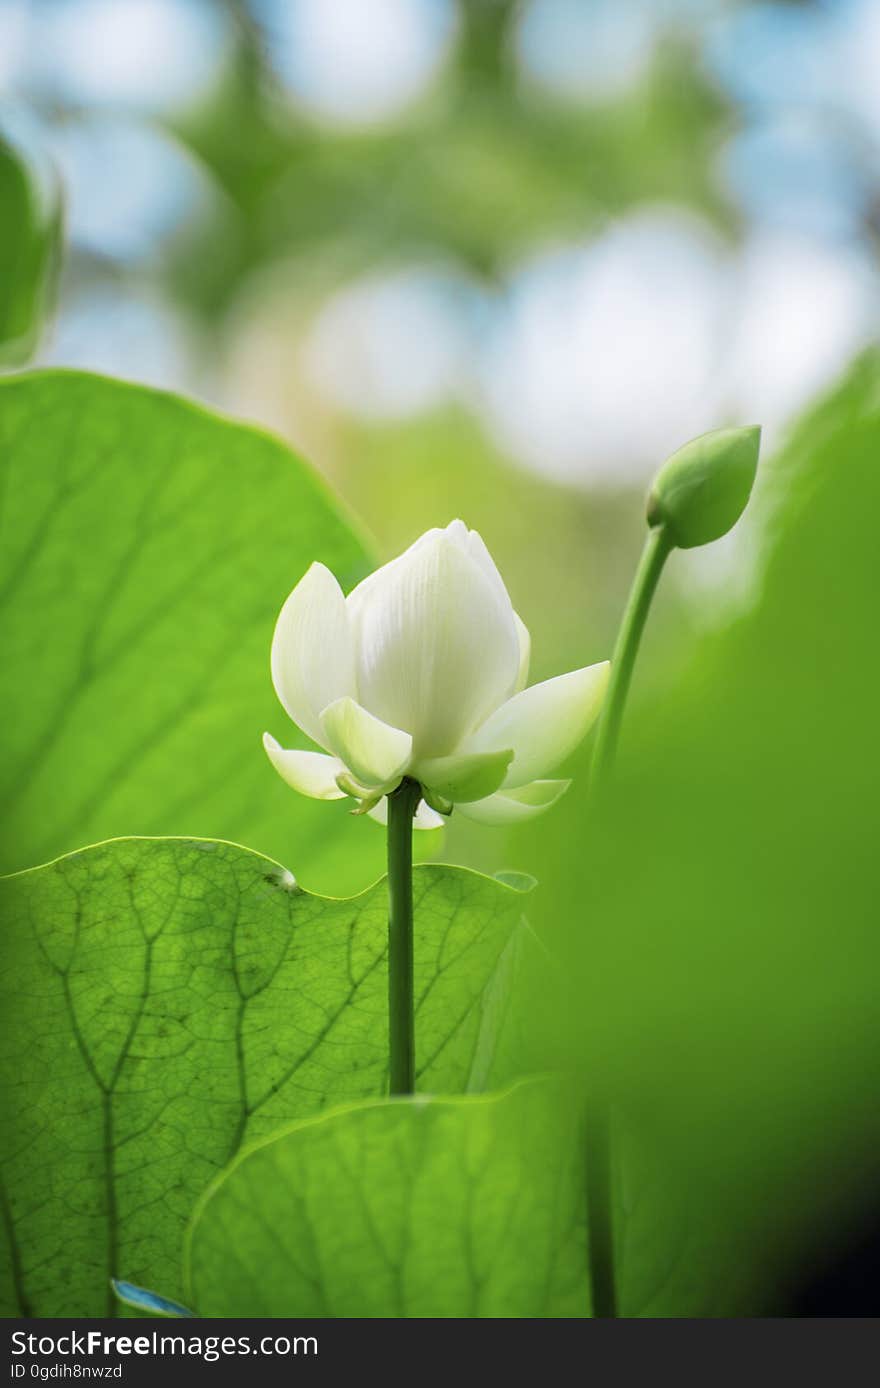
x=271, y=746
x=318, y=566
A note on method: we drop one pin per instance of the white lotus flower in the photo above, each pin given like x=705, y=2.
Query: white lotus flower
x=421, y=672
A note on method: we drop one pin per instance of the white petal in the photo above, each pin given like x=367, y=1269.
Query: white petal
x=436, y=643
x=472, y=542
x=311, y=773
x=312, y=650
x=516, y=806
x=464, y=776
x=425, y=817
x=458, y=533
x=525, y=653
x=375, y=752
x=545, y=723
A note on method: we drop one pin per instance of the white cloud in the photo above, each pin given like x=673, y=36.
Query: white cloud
x=805, y=308
x=387, y=346
x=605, y=356
x=591, y=52
x=133, y=54
x=13, y=32
x=353, y=62
x=128, y=185
x=128, y=331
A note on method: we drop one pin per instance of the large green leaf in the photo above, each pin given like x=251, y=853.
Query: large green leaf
x=147, y=547
x=167, y=1000
x=440, y=1207
x=448, y=1208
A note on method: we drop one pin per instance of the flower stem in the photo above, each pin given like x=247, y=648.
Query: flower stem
x=402, y=805
x=597, y=1126
x=654, y=555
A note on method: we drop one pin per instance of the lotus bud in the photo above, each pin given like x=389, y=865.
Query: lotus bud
x=702, y=490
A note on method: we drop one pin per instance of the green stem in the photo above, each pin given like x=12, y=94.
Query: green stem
x=654, y=555
x=402, y=805
x=597, y=1128
x=600, y=1216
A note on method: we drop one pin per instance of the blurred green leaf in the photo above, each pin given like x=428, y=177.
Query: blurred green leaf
x=166, y=1001
x=666, y=1236
x=720, y=975
x=409, y=1208
x=30, y=242
x=147, y=547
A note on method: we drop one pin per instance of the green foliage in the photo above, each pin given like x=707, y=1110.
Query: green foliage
x=167, y=1000
x=415, y=1208
x=720, y=973
x=171, y=1002
x=482, y=171
x=445, y=1208
x=30, y=233
x=194, y=1041
x=147, y=547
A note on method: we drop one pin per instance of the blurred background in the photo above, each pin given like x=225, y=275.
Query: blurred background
x=489, y=257
x=496, y=259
